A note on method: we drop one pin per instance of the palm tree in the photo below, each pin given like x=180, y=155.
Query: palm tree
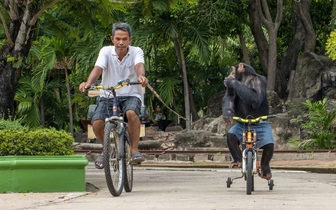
x=173, y=24
x=35, y=101
x=21, y=24
x=40, y=85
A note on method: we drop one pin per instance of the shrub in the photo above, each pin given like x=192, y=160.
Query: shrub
x=40, y=141
x=10, y=124
x=318, y=125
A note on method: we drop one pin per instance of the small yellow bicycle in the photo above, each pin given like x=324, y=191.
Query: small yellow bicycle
x=250, y=164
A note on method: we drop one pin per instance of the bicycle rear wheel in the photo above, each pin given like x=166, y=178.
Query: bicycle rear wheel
x=249, y=181
x=113, y=165
x=128, y=182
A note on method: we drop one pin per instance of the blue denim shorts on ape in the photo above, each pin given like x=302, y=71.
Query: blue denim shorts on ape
x=263, y=129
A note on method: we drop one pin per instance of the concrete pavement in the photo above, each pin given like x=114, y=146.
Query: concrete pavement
x=201, y=185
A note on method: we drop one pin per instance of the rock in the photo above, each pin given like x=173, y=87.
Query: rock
x=284, y=130
x=197, y=138
x=276, y=105
x=151, y=144
x=313, y=77
x=174, y=128
x=215, y=105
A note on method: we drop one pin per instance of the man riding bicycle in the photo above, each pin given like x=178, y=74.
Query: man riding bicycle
x=246, y=96
x=114, y=63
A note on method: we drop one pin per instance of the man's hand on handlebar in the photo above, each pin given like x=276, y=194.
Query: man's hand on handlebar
x=143, y=80
x=84, y=86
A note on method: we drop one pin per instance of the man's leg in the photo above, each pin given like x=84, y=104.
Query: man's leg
x=98, y=129
x=98, y=125
x=266, y=157
x=134, y=134
x=131, y=107
x=233, y=144
x=134, y=131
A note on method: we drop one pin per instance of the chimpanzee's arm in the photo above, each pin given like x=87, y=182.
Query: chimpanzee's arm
x=228, y=103
x=253, y=92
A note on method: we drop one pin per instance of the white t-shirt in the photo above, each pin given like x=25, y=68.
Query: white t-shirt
x=115, y=70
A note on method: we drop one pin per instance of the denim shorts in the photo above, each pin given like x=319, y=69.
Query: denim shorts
x=104, y=107
x=263, y=129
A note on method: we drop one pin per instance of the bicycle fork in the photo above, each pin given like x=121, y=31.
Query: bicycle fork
x=244, y=162
x=120, y=130
x=254, y=158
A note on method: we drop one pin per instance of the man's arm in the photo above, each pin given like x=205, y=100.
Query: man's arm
x=94, y=75
x=140, y=70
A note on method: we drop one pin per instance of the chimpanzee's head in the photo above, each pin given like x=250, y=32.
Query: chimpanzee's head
x=243, y=69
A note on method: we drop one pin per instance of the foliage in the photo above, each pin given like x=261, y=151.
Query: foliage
x=331, y=45
x=318, y=124
x=31, y=95
x=40, y=141
x=321, y=12
x=10, y=124
x=208, y=29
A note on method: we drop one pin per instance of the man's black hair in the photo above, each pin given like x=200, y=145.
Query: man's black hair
x=122, y=26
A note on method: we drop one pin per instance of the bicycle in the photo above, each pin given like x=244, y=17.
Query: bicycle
x=250, y=165
x=117, y=146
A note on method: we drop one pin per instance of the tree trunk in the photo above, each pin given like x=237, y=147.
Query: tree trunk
x=69, y=101
x=304, y=36
x=289, y=58
x=222, y=48
x=42, y=112
x=258, y=35
x=13, y=53
x=310, y=35
x=181, y=59
x=246, y=57
x=9, y=77
x=194, y=115
x=272, y=28
x=23, y=17
x=272, y=60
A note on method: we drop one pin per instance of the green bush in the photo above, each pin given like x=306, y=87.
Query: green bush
x=40, y=141
x=317, y=123
x=10, y=124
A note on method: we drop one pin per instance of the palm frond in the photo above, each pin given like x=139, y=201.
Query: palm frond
x=167, y=89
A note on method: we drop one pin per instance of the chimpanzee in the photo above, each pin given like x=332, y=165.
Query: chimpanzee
x=246, y=96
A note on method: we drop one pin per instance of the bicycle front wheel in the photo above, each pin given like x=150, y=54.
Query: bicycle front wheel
x=128, y=182
x=249, y=181
x=113, y=164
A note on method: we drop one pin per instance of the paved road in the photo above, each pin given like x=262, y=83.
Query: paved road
x=189, y=188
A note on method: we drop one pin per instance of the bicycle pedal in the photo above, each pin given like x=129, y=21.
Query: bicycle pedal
x=134, y=163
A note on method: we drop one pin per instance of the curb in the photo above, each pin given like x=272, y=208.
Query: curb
x=312, y=169
x=321, y=163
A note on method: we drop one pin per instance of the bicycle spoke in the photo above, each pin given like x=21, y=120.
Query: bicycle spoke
x=112, y=164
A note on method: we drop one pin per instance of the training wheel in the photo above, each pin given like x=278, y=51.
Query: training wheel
x=270, y=184
x=228, y=182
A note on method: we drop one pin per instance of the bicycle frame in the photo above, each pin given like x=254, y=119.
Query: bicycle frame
x=249, y=142
x=250, y=154
x=116, y=118
x=116, y=126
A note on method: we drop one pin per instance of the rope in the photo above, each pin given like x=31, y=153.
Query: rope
x=160, y=99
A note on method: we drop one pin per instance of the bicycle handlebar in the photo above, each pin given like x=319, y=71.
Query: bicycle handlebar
x=120, y=84
x=254, y=120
